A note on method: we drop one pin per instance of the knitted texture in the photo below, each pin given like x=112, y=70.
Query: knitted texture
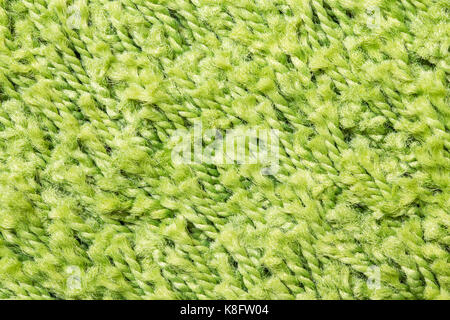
x=93, y=207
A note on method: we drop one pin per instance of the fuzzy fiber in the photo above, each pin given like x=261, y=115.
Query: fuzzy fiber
x=92, y=207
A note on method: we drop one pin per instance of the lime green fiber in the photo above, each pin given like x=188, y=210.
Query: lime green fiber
x=92, y=206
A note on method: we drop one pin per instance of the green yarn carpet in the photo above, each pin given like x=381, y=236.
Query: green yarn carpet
x=93, y=207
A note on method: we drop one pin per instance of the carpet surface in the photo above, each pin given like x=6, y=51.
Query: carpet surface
x=92, y=205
